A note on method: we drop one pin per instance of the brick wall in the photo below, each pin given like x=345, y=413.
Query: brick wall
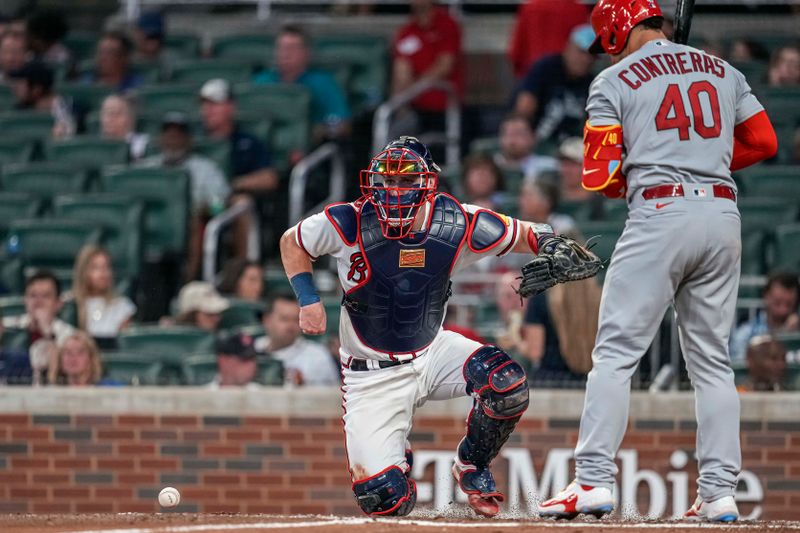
x=117, y=461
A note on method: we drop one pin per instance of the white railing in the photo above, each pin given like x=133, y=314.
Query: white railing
x=243, y=208
x=298, y=180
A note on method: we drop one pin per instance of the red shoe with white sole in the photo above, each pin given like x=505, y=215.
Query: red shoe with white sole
x=578, y=499
x=478, y=484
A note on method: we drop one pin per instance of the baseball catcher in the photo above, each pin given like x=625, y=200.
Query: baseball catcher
x=396, y=248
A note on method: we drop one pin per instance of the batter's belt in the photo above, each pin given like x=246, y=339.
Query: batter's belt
x=676, y=189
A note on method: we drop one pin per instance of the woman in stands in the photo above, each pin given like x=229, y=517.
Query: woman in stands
x=242, y=279
x=101, y=312
x=77, y=362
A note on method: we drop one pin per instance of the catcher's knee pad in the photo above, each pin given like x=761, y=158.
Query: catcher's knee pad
x=388, y=493
x=500, y=389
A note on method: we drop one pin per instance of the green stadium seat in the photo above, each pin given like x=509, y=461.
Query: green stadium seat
x=287, y=107
x=219, y=151
x=15, y=151
x=256, y=49
x=7, y=98
x=615, y=211
x=185, y=45
x=155, y=100
x=123, y=220
x=174, y=342
x=241, y=313
x=754, y=71
x=199, y=369
x=767, y=213
x=577, y=209
x=165, y=193
x=367, y=59
x=513, y=180
x=199, y=71
x=603, y=235
x=754, y=249
x=791, y=340
x=45, y=180
x=82, y=45
x=27, y=125
x=14, y=339
x=85, y=97
x=485, y=146
x=17, y=205
x=87, y=151
x=270, y=372
x=132, y=368
x=787, y=248
x=12, y=306
x=777, y=181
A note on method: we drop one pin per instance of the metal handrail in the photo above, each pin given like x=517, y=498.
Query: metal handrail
x=214, y=227
x=383, y=116
x=298, y=180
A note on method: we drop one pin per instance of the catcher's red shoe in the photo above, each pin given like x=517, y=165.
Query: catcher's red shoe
x=578, y=499
x=478, y=484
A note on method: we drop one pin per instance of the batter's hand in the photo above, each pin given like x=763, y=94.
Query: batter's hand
x=312, y=319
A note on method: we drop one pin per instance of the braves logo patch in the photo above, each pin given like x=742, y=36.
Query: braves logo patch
x=358, y=268
x=412, y=258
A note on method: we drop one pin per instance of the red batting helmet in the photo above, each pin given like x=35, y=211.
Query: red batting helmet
x=613, y=20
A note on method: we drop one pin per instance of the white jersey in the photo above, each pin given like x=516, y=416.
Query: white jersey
x=318, y=236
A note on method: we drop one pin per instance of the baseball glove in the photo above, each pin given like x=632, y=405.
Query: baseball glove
x=560, y=259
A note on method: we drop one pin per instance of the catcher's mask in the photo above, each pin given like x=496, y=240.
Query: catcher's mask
x=399, y=180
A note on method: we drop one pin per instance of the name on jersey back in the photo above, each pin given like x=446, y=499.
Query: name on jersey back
x=657, y=65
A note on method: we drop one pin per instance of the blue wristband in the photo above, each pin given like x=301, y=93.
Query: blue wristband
x=304, y=290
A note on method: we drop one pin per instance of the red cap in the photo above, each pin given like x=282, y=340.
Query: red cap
x=613, y=20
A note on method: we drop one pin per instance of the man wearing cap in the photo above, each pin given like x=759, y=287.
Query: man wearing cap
x=33, y=88
x=570, y=167
x=236, y=363
x=553, y=93
x=209, y=188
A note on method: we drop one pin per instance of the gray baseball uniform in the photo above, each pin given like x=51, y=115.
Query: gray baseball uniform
x=678, y=107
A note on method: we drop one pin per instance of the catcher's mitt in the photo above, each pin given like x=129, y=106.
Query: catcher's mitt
x=560, y=259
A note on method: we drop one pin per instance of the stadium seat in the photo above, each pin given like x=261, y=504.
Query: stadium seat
x=7, y=98
x=366, y=57
x=14, y=339
x=132, y=368
x=787, y=248
x=155, y=100
x=287, y=107
x=17, y=205
x=241, y=313
x=82, y=45
x=121, y=216
x=257, y=49
x=87, y=151
x=219, y=151
x=165, y=193
x=199, y=369
x=767, y=213
x=198, y=71
x=85, y=97
x=603, y=235
x=44, y=180
x=15, y=151
x=185, y=45
x=577, y=209
x=777, y=181
x=174, y=342
x=27, y=125
x=754, y=248
x=12, y=306
x=484, y=146
x=791, y=340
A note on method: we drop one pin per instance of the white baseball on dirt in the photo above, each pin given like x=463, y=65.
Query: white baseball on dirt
x=169, y=497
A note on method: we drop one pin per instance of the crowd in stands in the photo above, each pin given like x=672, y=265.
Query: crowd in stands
x=245, y=332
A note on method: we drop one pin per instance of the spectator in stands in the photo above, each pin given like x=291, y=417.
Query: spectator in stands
x=101, y=312
x=781, y=297
x=559, y=331
x=483, y=182
x=33, y=88
x=45, y=30
x=253, y=175
x=200, y=305
x=538, y=202
x=784, y=67
x=330, y=114
x=209, y=188
x=113, y=64
x=511, y=309
x=243, y=279
x=766, y=365
x=542, y=27
x=305, y=362
x=427, y=47
x=237, y=365
x=13, y=54
x=118, y=121
x=517, y=148
x=570, y=168
x=554, y=91
x=148, y=38
x=77, y=362
x=744, y=50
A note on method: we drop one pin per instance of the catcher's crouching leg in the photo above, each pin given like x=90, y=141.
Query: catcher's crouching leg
x=499, y=387
x=387, y=493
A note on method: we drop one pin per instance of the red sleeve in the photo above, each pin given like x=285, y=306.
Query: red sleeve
x=754, y=140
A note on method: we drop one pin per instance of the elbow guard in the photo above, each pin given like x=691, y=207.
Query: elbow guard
x=602, y=160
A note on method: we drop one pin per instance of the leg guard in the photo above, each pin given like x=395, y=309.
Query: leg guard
x=500, y=390
x=389, y=492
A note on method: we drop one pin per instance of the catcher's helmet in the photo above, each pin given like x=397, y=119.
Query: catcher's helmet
x=399, y=180
x=613, y=21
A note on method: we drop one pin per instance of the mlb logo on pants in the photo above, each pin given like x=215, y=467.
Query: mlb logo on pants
x=699, y=192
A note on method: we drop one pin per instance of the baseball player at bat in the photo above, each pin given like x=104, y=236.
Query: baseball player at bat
x=396, y=248
x=667, y=124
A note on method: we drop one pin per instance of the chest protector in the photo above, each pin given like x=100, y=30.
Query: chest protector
x=400, y=307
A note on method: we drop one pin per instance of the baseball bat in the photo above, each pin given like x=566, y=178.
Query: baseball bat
x=683, y=21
